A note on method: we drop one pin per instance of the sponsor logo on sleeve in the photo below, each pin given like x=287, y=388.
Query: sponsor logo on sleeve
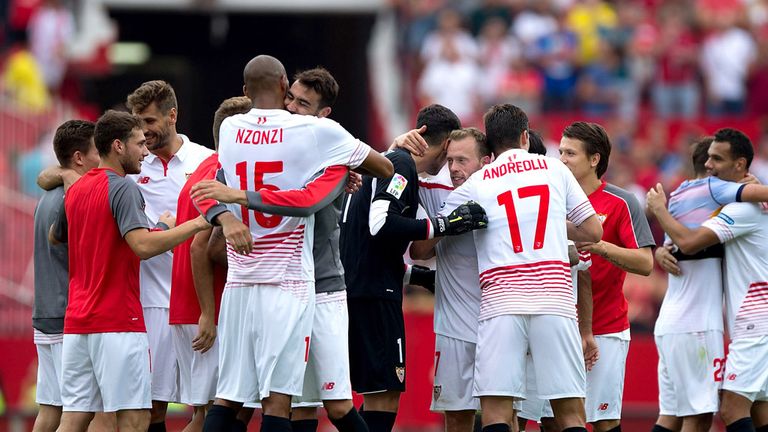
x=725, y=218
x=397, y=186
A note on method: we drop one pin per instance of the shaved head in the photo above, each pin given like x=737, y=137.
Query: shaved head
x=264, y=75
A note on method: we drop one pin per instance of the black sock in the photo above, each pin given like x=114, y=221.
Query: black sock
x=379, y=421
x=659, y=428
x=583, y=429
x=741, y=425
x=497, y=427
x=616, y=429
x=351, y=422
x=308, y=425
x=238, y=426
x=219, y=418
x=156, y=427
x=275, y=424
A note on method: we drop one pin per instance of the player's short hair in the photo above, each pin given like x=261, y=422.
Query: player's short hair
x=504, y=124
x=322, y=82
x=536, y=143
x=72, y=136
x=229, y=107
x=741, y=146
x=156, y=91
x=440, y=122
x=476, y=134
x=595, y=139
x=114, y=125
x=700, y=154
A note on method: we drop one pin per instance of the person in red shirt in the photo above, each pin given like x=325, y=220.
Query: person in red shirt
x=105, y=357
x=625, y=247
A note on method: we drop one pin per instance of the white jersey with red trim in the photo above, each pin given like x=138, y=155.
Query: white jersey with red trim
x=585, y=262
x=523, y=254
x=743, y=228
x=457, y=285
x=277, y=150
x=160, y=183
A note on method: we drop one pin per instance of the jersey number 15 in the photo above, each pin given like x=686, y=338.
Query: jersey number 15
x=259, y=169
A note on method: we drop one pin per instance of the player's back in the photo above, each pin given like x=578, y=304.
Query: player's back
x=523, y=256
x=273, y=149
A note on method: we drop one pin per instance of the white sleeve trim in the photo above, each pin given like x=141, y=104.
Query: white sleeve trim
x=377, y=215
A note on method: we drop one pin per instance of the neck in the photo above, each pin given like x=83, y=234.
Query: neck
x=422, y=163
x=112, y=163
x=590, y=183
x=268, y=102
x=167, y=152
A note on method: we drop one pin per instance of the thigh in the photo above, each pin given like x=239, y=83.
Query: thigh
x=236, y=338
x=164, y=364
x=605, y=382
x=746, y=367
x=555, y=346
x=79, y=388
x=667, y=394
x=130, y=389
x=502, y=343
x=48, y=390
x=454, y=375
x=694, y=361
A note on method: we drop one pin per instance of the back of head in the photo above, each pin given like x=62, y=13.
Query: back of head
x=741, y=146
x=476, y=134
x=229, y=107
x=322, y=82
x=700, y=155
x=595, y=139
x=156, y=91
x=504, y=124
x=440, y=122
x=114, y=125
x=536, y=143
x=72, y=136
x=263, y=74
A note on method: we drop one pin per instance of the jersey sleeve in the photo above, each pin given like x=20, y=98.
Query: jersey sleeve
x=724, y=192
x=318, y=193
x=585, y=261
x=211, y=208
x=389, y=202
x=734, y=220
x=634, y=232
x=577, y=205
x=127, y=205
x=338, y=146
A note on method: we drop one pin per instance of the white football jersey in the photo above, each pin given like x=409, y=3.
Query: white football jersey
x=457, y=285
x=277, y=150
x=743, y=228
x=523, y=254
x=160, y=183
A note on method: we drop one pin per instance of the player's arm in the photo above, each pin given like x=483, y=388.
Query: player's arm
x=55, y=176
x=689, y=241
x=217, y=247
x=376, y=165
x=202, y=277
x=590, y=230
x=754, y=193
x=234, y=230
x=638, y=261
x=147, y=243
x=57, y=233
x=584, y=307
x=317, y=194
x=423, y=249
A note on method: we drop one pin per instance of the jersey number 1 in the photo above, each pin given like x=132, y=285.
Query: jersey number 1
x=505, y=199
x=259, y=169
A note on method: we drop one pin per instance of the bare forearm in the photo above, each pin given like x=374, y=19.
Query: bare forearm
x=50, y=178
x=217, y=247
x=202, y=273
x=584, y=302
x=638, y=261
x=424, y=249
x=147, y=244
x=679, y=233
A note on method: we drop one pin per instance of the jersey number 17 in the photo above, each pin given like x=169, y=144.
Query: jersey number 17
x=505, y=199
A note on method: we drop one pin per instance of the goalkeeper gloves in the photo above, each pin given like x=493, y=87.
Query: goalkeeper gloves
x=467, y=217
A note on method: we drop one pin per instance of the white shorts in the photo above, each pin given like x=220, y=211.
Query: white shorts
x=533, y=408
x=106, y=372
x=555, y=346
x=197, y=372
x=605, y=382
x=690, y=372
x=454, y=375
x=165, y=368
x=746, y=368
x=327, y=373
x=49, y=374
x=264, y=338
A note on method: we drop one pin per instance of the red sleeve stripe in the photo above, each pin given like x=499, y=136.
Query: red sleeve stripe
x=428, y=185
x=311, y=194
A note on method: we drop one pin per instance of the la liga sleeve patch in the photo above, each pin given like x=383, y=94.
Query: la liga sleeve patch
x=397, y=186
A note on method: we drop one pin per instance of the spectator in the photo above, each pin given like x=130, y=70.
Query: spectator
x=534, y=22
x=497, y=51
x=448, y=35
x=555, y=54
x=22, y=80
x=591, y=20
x=50, y=30
x=601, y=83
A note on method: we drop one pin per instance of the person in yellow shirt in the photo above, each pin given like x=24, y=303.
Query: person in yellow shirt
x=588, y=18
x=23, y=81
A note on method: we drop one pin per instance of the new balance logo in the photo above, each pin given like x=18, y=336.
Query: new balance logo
x=329, y=386
x=143, y=180
x=603, y=407
x=732, y=377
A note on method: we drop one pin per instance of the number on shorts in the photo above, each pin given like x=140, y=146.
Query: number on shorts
x=259, y=169
x=505, y=199
x=719, y=364
x=306, y=349
x=400, y=349
x=437, y=361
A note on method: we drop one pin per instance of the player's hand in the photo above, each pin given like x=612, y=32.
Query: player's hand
x=354, y=182
x=590, y=350
x=467, y=217
x=206, y=334
x=666, y=261
x=750, y=179
x=593, y=248
x=412, y=141
x=656, y=199
x=216, y=190
x=573, y=255
x=168, y=219
x=236, y=233
x=423, y=277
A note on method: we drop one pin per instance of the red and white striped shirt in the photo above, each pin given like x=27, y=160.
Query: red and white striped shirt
x=523, y=255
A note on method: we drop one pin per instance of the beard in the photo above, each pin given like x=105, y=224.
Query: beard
x=157, y=141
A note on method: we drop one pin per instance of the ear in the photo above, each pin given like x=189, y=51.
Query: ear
x=524, y=143
x=245, y=90
x=594, y=160
x=485, y=160
x=325, y=112
x=118, y=147
x=77, y=159
x=172, y=116
x=741, y=164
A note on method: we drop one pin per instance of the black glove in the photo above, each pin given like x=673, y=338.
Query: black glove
x=467, y=217
x=423, y=277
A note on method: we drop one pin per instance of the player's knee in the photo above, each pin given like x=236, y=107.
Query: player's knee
x=459, y=421
x=133, y=420
x=337, y=409
x=48, y=419
x=158, y=411
x=605, y=425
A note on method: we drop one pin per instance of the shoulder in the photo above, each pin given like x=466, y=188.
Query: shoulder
x=622, y=195
x=741, y=211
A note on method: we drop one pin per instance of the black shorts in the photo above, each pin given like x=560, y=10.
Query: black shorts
x=376, y=345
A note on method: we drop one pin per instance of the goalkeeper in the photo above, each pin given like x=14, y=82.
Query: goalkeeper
x=377, y=224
